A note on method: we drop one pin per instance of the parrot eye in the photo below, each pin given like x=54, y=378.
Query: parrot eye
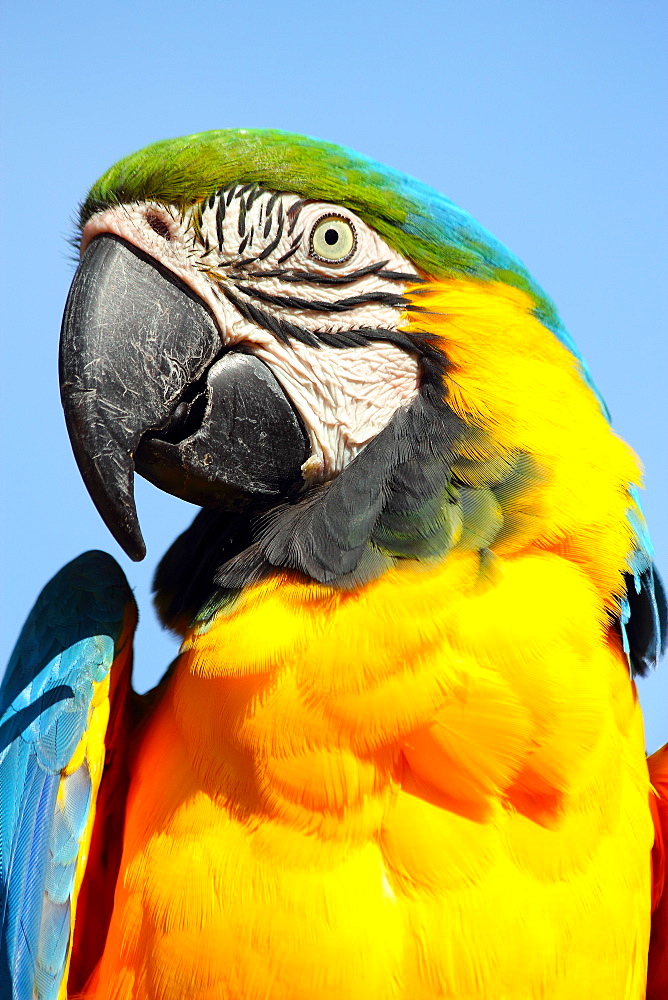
x=333, y=239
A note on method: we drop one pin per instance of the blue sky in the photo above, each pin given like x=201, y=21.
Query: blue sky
x=542, y=119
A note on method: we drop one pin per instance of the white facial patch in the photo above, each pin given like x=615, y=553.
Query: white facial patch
x=308, y=287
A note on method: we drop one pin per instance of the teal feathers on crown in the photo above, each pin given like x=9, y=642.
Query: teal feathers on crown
x=440, y=238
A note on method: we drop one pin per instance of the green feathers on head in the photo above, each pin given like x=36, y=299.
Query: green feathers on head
x=441, y=239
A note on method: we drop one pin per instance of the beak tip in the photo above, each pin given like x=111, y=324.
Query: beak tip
x=137, y=553
x=130, y=540
x=121, y=520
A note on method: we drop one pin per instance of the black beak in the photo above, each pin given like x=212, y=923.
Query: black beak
x=146, y=385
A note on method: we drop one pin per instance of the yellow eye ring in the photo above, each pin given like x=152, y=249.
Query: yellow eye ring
x=333, y=239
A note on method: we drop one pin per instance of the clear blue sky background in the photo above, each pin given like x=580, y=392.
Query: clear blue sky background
x=543, y=119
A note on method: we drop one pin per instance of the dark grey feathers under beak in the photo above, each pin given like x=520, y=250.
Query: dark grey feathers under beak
x=145, y=384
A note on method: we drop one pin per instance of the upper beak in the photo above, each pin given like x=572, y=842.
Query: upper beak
x=146, y=384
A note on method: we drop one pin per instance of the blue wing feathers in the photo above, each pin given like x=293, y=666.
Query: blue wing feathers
x=55, y=928
x=76, y=796
x=33, y=867
x=66, y=645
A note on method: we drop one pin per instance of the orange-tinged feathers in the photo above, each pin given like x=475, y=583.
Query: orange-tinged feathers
x=657, y=978
x=107, y=742
x=433, y=785
x=470, y=814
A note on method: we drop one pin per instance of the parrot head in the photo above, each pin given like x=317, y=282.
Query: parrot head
x=344, y=369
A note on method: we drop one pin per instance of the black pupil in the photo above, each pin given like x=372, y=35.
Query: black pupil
x=331, y=237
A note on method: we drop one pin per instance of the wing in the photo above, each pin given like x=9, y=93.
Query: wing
x=657, y=975
x=54, y=709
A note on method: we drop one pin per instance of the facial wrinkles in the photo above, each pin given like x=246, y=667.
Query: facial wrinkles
x=249, y=261
x=345, y=396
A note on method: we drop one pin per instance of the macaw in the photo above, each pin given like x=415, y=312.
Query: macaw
x=400, y=753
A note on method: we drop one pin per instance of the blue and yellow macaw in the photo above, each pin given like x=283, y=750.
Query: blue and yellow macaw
x=400, y=755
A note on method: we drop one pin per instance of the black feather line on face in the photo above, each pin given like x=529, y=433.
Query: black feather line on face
x=257, y=316
x=277, y=238
x=308, y=277
x=314, y=305
x=343, y=339
x=272, y=201
x=414, y=279
x=293, y=215
x=253, y=196
x=220, y=217
x=292, y=251
x=284, y=331
x=241, y=223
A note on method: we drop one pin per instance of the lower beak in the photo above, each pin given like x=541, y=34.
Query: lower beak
x=146, y=384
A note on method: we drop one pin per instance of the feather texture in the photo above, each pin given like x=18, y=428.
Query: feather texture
x=400, y=755
x=54, y=704
x=431, y=783
x=657, y=979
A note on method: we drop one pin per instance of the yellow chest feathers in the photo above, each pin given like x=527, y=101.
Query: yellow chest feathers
x=430, y=787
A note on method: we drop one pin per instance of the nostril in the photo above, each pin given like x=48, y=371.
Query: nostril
x=159, y=225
